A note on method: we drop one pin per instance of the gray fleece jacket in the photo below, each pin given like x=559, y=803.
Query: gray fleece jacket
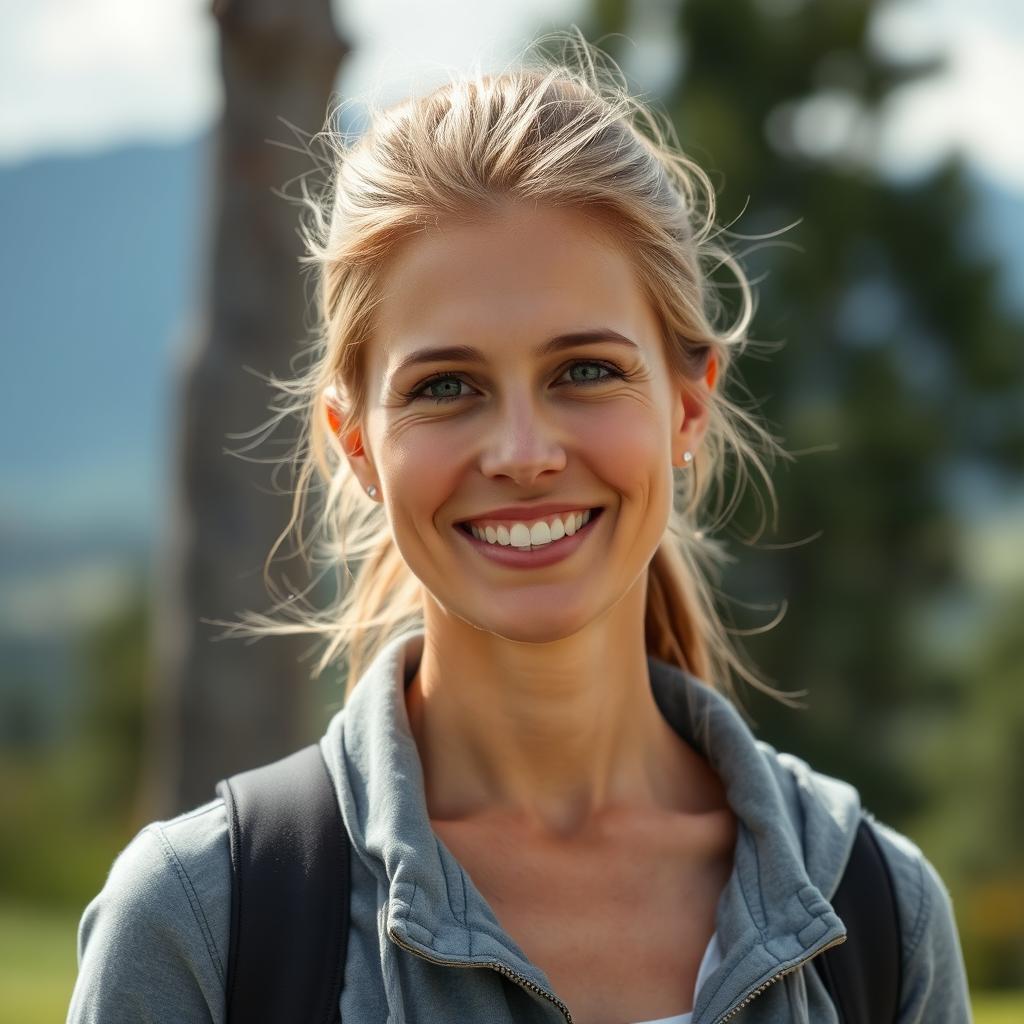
x=153, y=944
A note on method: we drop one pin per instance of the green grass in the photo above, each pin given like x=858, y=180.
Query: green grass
x=37, y=964
x=998, y=1007
x=37, y=971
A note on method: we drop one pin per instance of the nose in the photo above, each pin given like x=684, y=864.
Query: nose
x=520, y=444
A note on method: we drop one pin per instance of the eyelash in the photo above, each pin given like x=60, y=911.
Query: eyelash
x=417, y=392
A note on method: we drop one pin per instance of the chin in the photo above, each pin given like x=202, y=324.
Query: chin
x=537, y=624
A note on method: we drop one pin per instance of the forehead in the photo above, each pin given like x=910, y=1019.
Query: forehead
x=519, y=275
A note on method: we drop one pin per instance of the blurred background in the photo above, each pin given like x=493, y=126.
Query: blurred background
x=150, y=286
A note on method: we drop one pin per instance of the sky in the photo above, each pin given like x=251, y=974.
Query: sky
x=81, y=75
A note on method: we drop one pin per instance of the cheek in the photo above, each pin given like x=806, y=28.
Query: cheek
x=419, y=478
x=631, y=445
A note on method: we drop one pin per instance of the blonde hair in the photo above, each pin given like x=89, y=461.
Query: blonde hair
x=561, y=132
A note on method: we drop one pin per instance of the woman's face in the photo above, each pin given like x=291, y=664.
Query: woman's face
x=565, y=401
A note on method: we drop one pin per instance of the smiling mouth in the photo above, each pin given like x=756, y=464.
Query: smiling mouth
x=592, y=515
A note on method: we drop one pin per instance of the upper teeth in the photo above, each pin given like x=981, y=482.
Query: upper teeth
x=533, y=532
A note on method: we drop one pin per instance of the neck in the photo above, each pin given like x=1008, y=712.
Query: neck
x=553, y=735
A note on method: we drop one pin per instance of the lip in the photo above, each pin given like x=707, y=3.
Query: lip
x=516, y=558
x=523, y=512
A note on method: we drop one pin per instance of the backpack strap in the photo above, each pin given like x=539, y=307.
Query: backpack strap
x=863, y=975
x=289, y=892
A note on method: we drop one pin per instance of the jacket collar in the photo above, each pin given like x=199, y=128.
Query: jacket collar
x=796, y=829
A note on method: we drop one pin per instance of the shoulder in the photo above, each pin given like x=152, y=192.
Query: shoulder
x=156, y=935
x=921, y=894
x=934, y=977
x=802, y=783
x=825, y=812
x=177, y=874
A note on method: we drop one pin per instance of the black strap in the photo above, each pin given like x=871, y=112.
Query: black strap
x=289, y=893
x=863, y=975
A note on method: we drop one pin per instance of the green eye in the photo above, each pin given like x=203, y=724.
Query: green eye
x=454, y=381
x=594, y=366
x=448, y=382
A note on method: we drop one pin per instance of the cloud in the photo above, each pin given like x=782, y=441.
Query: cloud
x=973, y=106
x=80, y=74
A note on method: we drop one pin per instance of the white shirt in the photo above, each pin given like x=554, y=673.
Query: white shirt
x=712, y=958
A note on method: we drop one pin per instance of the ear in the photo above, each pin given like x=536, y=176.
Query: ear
x=692, y=408
x=351, y=441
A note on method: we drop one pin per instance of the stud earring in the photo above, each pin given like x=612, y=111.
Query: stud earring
x=687, y=457
x=371, y=491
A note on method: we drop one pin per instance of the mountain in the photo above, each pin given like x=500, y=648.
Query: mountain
x=99, y=259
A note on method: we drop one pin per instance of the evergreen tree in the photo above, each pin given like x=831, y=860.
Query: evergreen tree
x=896, y=370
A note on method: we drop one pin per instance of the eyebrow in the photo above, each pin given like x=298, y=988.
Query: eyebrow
x=468, y=354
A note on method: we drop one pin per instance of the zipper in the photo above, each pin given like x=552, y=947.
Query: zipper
x=501, y=968
x=496, y=965
x=775, y=977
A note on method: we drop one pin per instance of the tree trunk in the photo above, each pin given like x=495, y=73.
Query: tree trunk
x=227, y=706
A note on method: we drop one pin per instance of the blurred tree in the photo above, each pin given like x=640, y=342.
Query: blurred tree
x=896, y=354
x=68, y=803
x=224, y=707
x=977, y=821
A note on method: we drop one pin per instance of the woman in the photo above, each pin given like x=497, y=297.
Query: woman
x=517, y=404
